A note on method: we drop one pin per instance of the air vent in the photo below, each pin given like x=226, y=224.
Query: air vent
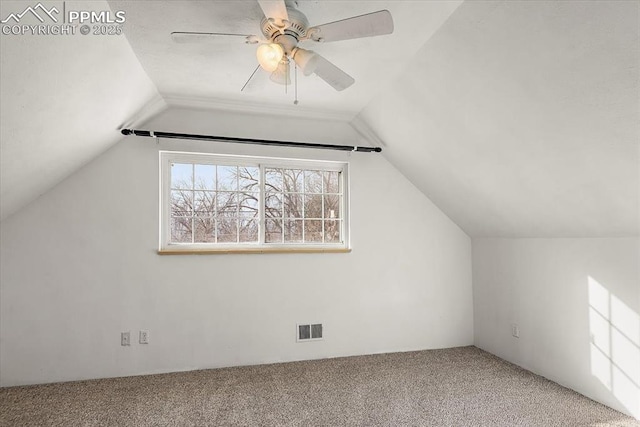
x=309, y=332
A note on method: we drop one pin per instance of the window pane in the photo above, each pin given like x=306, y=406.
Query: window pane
x=204, y=230
x=293, y=205
x=272, y=180
x=313, y=206
x=292, y=231
x=332, y=207
x=249, y=228
x=204, y=204
x=181, y=230
x=273, y=206
x=181, y=203
x=332, y=232
x=227, y=204
x=205, y=177
x=293, y=180
x=313, y=231
x=313, y=182
x=331, y=182
x=249, y=178
x=273, y=230
x=248, y=202
x=227, y=178
x=182, y=175
x=227, y=229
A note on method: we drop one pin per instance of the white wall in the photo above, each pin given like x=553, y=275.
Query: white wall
x=79, y=265
x=577, y=305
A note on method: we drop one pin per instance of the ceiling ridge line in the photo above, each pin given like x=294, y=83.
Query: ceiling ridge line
x=363, y=129
x=150, y=109
x=253, y=108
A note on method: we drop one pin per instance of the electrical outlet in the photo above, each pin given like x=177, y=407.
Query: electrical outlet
x=125, y=338
x=144, y=337
x=515, y=330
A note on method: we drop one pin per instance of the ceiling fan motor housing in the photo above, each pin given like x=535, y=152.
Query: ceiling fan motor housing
x=294, y=30
x=287, y=41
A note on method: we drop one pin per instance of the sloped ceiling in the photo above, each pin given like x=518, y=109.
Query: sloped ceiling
x=64, y=99
x=520, y=119
x=517, y=119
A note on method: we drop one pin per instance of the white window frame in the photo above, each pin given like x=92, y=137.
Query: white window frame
x=169, y=157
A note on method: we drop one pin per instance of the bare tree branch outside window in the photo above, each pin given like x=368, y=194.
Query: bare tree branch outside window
x=222, y=204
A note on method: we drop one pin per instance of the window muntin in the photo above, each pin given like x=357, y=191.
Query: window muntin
x=234, y=202
x=213, y=203
x=302, y=205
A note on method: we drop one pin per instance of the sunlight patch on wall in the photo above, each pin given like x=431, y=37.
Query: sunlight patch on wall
x=615, y=345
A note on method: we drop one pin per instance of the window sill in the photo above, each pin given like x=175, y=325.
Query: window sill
x=209, y=251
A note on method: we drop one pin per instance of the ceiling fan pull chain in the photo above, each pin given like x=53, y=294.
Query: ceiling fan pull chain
x=250, y=77
x=295, y=82
x=288, y=76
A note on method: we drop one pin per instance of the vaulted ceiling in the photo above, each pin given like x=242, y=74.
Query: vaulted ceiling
x=516, y=118
x=217, y=70
x=520, y=119
x=63, y=99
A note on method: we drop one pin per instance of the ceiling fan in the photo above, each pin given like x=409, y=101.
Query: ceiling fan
x=284, y=27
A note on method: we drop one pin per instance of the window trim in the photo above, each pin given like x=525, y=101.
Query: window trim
x=166, y=248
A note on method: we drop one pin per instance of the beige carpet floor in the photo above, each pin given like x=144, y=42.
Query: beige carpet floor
x=454, y=387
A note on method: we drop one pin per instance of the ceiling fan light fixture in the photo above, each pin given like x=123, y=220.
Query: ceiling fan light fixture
x=281, y=74
x=269, y=56
x=307, y=60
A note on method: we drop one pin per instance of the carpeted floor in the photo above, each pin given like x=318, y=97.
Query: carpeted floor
x=454, y=387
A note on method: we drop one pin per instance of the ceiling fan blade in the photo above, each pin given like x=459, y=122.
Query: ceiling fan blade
x=369, y=25
x=191, y=37
x=276, y=9
x=333, y=75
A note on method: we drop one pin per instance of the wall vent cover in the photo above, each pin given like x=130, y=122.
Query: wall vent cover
x=309, y=331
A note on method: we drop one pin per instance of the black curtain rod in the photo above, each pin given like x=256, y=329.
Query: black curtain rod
x=152, y=134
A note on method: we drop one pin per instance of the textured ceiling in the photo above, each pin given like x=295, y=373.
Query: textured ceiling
x=517, y=119
x=218, y=71
x=520, y=119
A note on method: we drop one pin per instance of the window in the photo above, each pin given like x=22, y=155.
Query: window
x=237, y=203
